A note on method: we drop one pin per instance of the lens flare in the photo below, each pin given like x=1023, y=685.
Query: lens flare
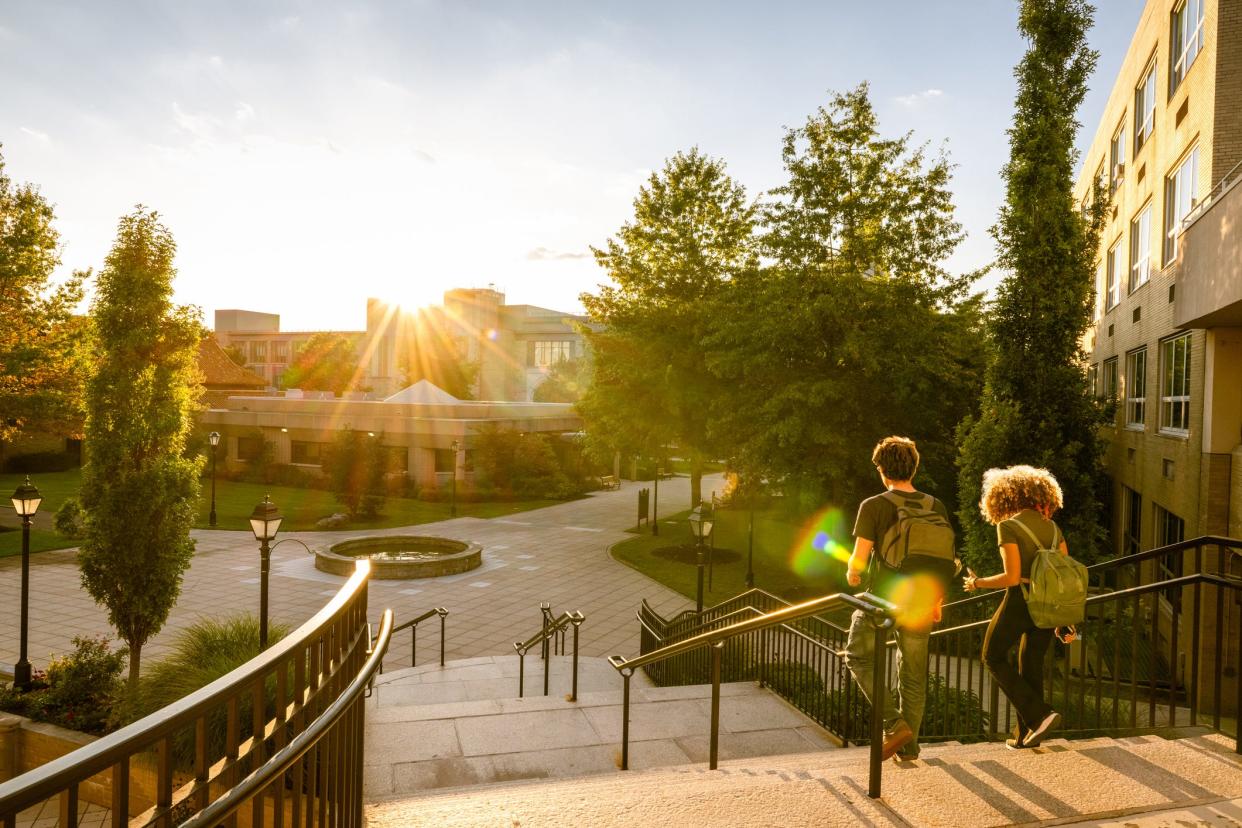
x=822, y=546
x=917, y=598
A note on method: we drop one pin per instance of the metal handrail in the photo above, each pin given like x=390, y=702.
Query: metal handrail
x=879, y=610
x=551, y=627
x=1210, y=199
x=284, y=759
x=412, y=626
x=323, y=640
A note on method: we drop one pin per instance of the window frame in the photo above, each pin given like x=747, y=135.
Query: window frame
x=1132, y=523
x=1135, y=281
x=1117, y=156
x=1167, y=372
x=1109, y=376
x=301, y=454
x=1145, y=107
x=1173, y=195
x=1172, y=564
x=1179, y=46
x=1112, y=278
x=1136, y=404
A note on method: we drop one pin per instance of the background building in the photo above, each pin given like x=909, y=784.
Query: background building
x=268, y=350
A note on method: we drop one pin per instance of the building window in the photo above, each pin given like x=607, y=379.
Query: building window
x=280, y=352
x=1101, y=181
x=1186, y=41
x=1136, y=387
x=258, y=352
x=1108, y=378
x=551, y=352
x=1145, y=108
x=1132, y=533
x=249, y=448
x=1117, y=157
x=1093, y=380
x=1170, y=529
x=306, y=454
x=445, y=462
x=1175, y=384
x=396, y=459
x=1112, y=284
x=1179, y=199
x=1140, y=249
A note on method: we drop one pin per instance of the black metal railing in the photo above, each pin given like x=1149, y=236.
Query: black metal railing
x=278, y=741
x=412, y=626
x=751, y=642
x=553, y=627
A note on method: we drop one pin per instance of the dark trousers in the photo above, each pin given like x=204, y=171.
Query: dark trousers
x=1024, y=685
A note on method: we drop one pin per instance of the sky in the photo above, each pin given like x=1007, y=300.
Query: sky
x=309, y=155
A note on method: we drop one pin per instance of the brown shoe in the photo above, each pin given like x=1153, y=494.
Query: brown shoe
x=897, y=738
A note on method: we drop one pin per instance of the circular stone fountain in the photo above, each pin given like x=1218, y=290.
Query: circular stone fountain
x=401, y=556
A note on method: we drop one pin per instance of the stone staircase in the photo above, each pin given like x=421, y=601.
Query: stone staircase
x=1136, y=781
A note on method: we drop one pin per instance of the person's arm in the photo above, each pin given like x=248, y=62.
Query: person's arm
x=1011, y=576
x=858, y=561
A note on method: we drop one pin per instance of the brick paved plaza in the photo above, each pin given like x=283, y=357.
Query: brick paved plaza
x=557, y=554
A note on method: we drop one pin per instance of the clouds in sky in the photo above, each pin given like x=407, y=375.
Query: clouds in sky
x=920, y=97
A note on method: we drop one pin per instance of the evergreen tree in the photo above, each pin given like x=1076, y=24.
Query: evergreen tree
x=691, y=233
x=1036, y=407
x=42, y=355
x=138, y=488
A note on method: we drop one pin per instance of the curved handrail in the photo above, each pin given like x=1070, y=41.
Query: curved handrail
x=285, y=758
x=873, y=605
x=46, y=780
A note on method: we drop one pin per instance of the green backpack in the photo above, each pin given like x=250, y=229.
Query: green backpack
x=1057, y=594
x=921, y=540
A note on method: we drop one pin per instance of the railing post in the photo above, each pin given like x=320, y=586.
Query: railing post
x=547, y=665
x=443, y=614
x=763, y=657
x=625, y=719
x=414, y=646
x=717, y=648
x=521, y=673
x=577, y=621
x=994, y=708
x=878, y=695
x=545, y=609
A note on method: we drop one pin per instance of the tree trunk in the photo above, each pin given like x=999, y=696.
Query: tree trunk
x=696, y=479
x=135, y=661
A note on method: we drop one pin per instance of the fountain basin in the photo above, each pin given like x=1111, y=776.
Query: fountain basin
x=398, y=557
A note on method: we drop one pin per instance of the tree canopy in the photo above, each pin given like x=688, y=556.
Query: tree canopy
x=42, y=345
x=327, y=362
x=138, y=488
x=1036, y=407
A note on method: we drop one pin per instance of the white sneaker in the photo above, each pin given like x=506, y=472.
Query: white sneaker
x=1050, y=721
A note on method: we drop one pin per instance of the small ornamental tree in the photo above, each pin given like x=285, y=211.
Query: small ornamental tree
x=355, y=466
x=139, y=490
x=1036, y=406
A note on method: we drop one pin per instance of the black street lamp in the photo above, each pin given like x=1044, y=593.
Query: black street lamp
x=265, y=523
x=26, y=502
x=453, y=508
x=214, y=439
x=701, y=525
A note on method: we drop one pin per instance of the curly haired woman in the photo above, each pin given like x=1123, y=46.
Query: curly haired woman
x=1021, y=501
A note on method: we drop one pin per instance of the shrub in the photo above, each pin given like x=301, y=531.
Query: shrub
x=77, y=691
x=953, y=711
x=70, y=520
x=355, y=467
x=201, y=654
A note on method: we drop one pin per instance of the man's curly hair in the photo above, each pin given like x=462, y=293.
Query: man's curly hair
x=1008, y=491
x=897, y=458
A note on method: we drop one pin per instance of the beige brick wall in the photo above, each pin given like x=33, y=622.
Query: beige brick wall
x=1189, y=117
x=1228, y=125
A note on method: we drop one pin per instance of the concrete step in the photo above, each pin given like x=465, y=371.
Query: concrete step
x=970, y=785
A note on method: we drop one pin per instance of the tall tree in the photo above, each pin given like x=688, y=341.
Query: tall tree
x=567, y=381
x=327, y=362
x=42, y=356
x=692, y=232
x=1036, y=406
x=853, y=329
x=139, y=489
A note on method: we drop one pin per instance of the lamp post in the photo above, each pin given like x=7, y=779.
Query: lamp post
x=214, y=439
x=265, y=523
x=453, y=508
x=701, y=525
x=26, y=502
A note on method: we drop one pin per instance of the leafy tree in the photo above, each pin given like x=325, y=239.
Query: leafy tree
x=328, y=362
x=567, y=381
x=236, y=354
x=520, y=463
x=355, y=467
x=853, y=330
x=42, y=356
x=692, y=232
x=138, y=489
x=440, y=362
x=1036, y=406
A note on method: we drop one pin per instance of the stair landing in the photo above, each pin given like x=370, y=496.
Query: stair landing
x=432, y=728
x=1139, y=781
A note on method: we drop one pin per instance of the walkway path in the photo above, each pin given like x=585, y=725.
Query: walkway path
x=557, y=554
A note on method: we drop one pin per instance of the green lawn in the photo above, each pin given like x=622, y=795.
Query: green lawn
x=234, y=503
x=786, y=560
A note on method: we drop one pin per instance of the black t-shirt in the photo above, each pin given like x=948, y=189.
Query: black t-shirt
x=876, y=515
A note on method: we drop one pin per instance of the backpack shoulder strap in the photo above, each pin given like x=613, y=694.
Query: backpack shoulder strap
x=1029, y=533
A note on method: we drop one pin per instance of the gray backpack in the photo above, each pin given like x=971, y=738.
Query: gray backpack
x=1057, y=594
x=921, y=539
